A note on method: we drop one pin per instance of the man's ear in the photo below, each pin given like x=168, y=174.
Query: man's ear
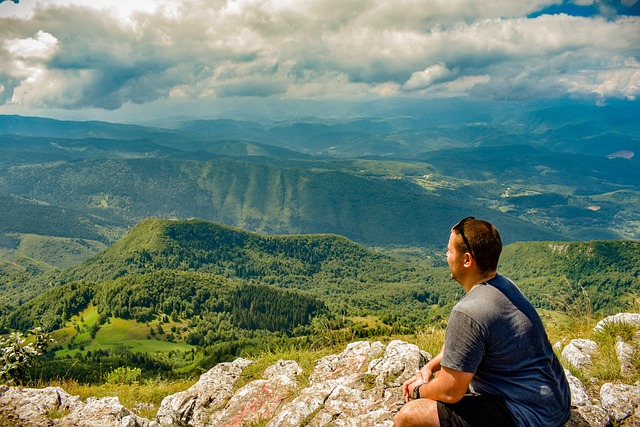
x=468, y=259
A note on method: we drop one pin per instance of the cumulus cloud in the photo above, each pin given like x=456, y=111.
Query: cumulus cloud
x=622, y=81
x=433, y=74
x=75, y=54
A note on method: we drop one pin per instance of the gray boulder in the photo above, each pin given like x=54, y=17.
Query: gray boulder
x=53, y=406
x=36, y=405
x=620, y=400
x=194, y=406
x=628, y=318
x=359, y=387
x=578, y=353
x=579, y=395
x=625, y=353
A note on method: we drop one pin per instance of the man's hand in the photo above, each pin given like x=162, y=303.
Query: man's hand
x=410, y=384
x=423, y=376
x=441, y=383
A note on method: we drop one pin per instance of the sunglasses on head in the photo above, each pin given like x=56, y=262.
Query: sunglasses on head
x=459, y=227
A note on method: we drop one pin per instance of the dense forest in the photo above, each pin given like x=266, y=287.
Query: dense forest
x=211, y=292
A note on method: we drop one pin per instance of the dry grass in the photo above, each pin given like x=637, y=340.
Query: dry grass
x=144, y=398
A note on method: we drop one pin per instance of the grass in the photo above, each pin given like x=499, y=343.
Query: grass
x=606, y=366
x=146, y=395
x=135, y=335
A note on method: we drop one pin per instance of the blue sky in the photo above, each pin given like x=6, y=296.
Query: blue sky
x=93, y=59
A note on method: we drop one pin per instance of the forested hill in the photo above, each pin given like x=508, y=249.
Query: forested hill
x=209, y=247
x=347, y=276
x=353, y=279
x=222, y=290
x=605, y=275
x=184, y=267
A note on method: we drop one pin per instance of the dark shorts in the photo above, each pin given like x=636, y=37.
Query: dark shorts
x=475, y=410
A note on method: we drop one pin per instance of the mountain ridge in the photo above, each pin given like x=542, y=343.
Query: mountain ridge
x=375, y=179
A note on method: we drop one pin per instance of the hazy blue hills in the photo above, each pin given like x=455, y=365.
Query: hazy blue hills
x=254, y=196
x=398, y=173
x=45, y=127
x=30, y=217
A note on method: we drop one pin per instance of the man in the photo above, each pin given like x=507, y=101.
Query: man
x=497, y=367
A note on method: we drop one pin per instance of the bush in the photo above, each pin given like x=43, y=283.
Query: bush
x=18, y=355
x=123, y=375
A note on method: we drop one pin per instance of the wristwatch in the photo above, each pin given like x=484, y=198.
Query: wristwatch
x=416, y=392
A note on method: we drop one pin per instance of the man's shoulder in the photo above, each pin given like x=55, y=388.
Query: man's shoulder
x=487, y=300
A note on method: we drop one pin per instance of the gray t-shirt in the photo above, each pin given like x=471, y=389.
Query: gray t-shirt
x=495, y=333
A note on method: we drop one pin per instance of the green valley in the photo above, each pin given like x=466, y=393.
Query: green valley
x=172, y=296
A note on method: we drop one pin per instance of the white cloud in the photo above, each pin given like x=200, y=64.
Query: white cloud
x=433, y=74
x=622, y=81
x=42, y=46
x=87, y=53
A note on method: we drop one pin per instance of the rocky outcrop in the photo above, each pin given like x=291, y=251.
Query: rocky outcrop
x=360, y=387
x=52, y=406
x=210, y=393
x=578, y=353
x=615, y=403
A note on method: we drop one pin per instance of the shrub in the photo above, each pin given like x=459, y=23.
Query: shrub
x=123, y=375
x=18, y=355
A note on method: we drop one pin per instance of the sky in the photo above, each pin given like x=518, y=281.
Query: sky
x=122, y=59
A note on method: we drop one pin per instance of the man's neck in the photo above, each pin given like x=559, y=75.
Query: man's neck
x=477, y=279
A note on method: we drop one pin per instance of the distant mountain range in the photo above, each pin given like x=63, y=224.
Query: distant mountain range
x=233, y=234
x=402, y=177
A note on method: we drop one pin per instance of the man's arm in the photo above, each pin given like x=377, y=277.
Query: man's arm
x=448, y=386
x=438, y=382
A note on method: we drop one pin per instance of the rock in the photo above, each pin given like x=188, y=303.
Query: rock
x=104, y=412
x=353, y=359
x=625, y=353
x=401, y=360
x=578, y=353
x=589, y=416
x=579, y=396
x=629, y=318
x=35, y=405
x=259, y=400
x=357, y=398
x=210, y=393
x=307, y=404
x=360, y=387
x=620, y=400
x=39, y=407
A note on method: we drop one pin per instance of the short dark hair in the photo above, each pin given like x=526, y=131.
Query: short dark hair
x=482, y=240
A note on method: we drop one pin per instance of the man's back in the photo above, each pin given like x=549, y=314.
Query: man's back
x=496, y=333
